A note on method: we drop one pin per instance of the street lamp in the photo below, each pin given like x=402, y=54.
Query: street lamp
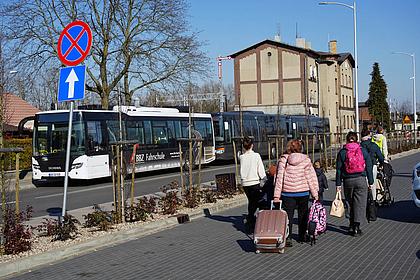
x=14, y=72
x=355, y=57
x=414, y=92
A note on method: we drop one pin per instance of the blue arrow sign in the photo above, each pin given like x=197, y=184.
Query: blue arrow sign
x=72, y=83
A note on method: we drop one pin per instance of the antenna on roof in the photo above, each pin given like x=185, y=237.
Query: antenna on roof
x=278, y=28
x=296, y=30
x=329, y=47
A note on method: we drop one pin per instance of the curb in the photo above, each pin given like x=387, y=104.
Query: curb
x=111, y=239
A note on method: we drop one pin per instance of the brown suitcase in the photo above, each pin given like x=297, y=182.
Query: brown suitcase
x=271, y=231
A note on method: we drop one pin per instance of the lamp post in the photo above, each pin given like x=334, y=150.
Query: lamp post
x=14, y=72
x=356, y=90
x=414, y=92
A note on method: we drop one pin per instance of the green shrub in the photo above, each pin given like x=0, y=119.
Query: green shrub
x=25, y=157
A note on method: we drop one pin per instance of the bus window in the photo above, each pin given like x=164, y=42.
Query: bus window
x=171, y=134
x=160, y=137
x=96, y=136
x=185, y=132
x=148, y=132
x=200, y=126
x=114, y=130
x=135, y=131
x=209, y=136
x=178, y=130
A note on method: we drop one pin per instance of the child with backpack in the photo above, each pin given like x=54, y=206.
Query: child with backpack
x=322, y=181
x=353, y=165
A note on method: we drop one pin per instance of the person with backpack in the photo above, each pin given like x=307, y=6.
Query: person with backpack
x=353, y=165
x=375, y=155
x=294, y=180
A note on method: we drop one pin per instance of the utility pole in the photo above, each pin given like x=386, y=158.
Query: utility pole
x=222, y=95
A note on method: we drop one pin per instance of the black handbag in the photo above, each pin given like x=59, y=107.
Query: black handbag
x=371, y=208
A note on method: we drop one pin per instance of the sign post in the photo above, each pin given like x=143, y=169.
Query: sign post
x=73, y=46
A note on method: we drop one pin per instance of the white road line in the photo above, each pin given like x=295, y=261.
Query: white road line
x=109, y=186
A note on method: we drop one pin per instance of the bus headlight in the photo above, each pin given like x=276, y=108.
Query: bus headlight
x=220, y=151
x=76, y=165
x=36, y=166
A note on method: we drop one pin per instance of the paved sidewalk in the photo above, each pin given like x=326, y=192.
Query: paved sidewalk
x=216, y=247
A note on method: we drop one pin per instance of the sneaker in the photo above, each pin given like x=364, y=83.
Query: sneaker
x=351, y=231
x=357, y=232
x=289, y=242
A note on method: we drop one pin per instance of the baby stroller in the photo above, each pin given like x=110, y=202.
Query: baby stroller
x=383, y=184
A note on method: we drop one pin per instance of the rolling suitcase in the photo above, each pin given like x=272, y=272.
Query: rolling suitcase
x=271, y=230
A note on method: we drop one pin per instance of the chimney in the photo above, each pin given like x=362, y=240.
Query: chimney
x=333, y=46
x=308, y=45
x=277, y=38
x=300, y=42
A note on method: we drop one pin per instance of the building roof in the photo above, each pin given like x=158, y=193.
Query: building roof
x=340, y=57
x=15, y=109
x=275, y=43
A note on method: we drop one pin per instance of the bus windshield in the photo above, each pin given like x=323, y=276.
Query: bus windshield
x=50, y=137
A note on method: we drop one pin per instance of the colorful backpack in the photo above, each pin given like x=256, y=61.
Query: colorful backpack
x=355, y=163
x=317, y=220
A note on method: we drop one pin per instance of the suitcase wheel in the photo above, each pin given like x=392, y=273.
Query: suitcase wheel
x=257, y=251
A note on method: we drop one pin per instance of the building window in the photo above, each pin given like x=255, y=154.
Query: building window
x=342, y=79
x=335, y=68
x=336, y=86
x=348, y=122
x=350, y=81
x=342, y=97
x=346, y=82
x=347, y=101
x=310, y=71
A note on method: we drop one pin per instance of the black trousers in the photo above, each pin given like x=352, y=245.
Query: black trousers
x=289, y=204
x=253, y=195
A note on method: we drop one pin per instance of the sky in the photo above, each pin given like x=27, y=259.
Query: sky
x=383, y=27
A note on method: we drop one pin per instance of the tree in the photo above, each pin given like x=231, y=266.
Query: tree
x=377, y=98
x=137, y=42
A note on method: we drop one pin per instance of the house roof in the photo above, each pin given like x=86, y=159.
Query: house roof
x=15, y=109
x=340, y=57
x=275, y=43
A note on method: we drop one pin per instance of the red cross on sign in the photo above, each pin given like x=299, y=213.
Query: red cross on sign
x=74, y=43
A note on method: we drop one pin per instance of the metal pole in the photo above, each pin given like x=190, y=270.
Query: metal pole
x=269, y=153
x=356, y=66
x=415, y=102
x=17, y=184
x=66, y=174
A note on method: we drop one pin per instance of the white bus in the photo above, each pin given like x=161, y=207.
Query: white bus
x=155, y=129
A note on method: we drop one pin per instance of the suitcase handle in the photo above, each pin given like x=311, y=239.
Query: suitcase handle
x=272, y=205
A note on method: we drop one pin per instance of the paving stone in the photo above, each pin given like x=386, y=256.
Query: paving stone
x=216, y=247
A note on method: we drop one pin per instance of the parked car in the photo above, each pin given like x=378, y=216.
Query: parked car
x=416, y=185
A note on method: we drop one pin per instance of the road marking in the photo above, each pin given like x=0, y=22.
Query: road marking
x=110, y=186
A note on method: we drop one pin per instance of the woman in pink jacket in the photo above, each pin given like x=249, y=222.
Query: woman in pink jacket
x=295, y=179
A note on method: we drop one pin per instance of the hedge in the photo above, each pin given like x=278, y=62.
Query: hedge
x=25, y=156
